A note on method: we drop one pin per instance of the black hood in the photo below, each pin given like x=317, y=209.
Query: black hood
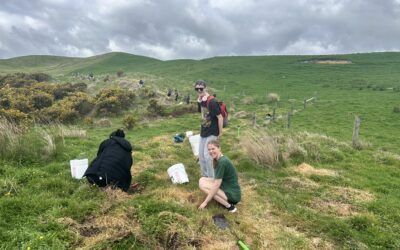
x=123, y=143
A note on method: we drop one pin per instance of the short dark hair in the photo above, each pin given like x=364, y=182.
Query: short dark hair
x=201, y=83
x=215, y=143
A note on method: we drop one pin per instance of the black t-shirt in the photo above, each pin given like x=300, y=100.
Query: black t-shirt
x=209, y=124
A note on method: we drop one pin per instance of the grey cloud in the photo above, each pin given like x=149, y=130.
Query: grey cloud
x=198, y=29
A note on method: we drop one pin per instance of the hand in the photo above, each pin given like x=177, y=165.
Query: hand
x=219, y=136
x=202, y=205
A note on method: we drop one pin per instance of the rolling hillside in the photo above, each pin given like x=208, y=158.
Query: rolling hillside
x=323, y=193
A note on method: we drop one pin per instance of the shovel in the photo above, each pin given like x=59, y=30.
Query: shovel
x=222, y=223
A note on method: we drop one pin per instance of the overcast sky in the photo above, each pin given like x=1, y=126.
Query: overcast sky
x=172, y=29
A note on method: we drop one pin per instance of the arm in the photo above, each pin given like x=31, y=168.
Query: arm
x=213, y=191
x=220, y=125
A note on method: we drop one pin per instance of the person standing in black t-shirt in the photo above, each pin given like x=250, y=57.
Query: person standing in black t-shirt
x=211, y=126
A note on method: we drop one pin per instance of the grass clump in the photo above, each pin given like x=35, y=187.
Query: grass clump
x=279, y=149
x=29, y=145
x=272, y=98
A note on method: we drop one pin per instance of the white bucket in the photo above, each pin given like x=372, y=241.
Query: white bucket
x=194, y=142
x=189, y=133
x=78, y=168
x=178, y=174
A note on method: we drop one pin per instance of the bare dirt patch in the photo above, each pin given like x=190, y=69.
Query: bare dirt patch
x=334, y=207
x=307, y=169
x=332, y=62
x=296, y=183
x=328, y=61
x=111, y=228
x=354, y=195
x=180, y=195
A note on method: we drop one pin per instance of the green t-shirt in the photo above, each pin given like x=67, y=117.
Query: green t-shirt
x=230, y=184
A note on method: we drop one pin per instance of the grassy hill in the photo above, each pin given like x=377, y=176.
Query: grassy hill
x=342, y=197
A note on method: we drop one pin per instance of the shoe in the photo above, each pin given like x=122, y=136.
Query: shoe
x=232, y=209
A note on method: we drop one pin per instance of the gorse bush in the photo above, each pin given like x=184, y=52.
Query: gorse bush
x=45, y=102
x=23, y=79
x=35, y=144
x=129, y=122
x=114, y=101
x=155, y=109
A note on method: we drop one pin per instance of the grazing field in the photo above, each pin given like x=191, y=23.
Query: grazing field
x=304, y=187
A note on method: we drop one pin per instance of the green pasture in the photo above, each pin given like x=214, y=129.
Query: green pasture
x=355, y=207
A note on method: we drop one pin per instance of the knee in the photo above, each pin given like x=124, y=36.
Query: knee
x=202, y=181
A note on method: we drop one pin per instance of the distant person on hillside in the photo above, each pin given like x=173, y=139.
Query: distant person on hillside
x=112, y=165
x=141, y=83
x=176, y=95
x=169, y=92
x=211, y=126
x=224, y=187
x=187, y=99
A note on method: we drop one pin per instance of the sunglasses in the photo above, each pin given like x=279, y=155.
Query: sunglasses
x=199, y=89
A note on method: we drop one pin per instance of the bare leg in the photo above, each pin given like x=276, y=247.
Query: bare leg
x=205, y=185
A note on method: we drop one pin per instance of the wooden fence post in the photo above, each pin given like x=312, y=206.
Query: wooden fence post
x=305, y=103
x=289, y=119
x=254, y=120
x=273, y=114
x=356, y=130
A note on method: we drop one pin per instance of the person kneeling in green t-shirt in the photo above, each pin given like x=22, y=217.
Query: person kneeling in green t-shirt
x=224, y=187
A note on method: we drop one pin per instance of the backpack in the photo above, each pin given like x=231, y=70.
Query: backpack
x=222, y=108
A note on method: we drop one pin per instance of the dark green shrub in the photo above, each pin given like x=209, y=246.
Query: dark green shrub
x=41, y=100
x=68, y=115
x=80, y=102
x=120, y=73
x=63, y=90
x=106, y=78
x=396, y=109
x=147, y=93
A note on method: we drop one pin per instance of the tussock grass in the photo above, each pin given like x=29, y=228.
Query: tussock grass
x=73, y=132
x=279, y=149
x=272, y=98
x=262, y=148
x=30, y=145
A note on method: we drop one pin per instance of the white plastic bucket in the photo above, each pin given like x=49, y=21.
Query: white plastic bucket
x=178, y=174
x=78, y=168
x=194, y=142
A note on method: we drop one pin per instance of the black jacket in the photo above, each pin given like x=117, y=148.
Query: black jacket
x=113, y=162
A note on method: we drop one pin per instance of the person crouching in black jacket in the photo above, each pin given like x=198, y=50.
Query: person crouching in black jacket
x=112, y=165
